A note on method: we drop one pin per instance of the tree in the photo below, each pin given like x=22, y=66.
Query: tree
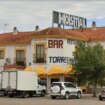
x=89, y=63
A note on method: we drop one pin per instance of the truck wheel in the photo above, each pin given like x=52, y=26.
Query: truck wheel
x=25, y=94
x=11, y=95
x=53, y=97
x=5, y=94
x=67, y=95
x=43, y=93
x=31, y=94
x=79, y=95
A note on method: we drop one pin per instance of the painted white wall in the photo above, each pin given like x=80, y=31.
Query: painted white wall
x=29, y=54
x=9, y=53
x=66, y=51
x=100, y=42
x=38, y=41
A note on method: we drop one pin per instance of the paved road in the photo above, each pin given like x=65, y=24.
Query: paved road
x=85, y=100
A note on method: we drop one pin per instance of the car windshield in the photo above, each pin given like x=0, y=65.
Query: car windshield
x=41, y=82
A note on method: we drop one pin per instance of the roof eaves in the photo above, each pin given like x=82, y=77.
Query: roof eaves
x=63, y=36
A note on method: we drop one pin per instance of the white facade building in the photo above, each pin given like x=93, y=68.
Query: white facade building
x=47, y=48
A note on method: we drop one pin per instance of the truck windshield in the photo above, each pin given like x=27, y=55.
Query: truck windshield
x=41, y=82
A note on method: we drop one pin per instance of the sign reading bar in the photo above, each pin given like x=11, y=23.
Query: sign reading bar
x=69, y=20
x=55, y=43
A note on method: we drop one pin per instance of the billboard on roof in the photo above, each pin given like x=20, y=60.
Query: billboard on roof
x=69, y=20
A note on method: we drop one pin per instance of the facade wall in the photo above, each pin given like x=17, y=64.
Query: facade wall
x=59, y=52
x=10, y=53
x=61, y=55
x=56, y=55
x=33, y=42
x=29, y=55
x=100, y=42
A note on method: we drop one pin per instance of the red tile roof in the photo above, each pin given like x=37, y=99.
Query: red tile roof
x=95, y=35
x=21, y=37
x=76, y=34
x=61, y=33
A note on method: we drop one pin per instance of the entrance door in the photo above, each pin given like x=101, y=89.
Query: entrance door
x=20, y=57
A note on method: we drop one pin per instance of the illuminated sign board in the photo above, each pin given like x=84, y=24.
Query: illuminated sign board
x=69, y=20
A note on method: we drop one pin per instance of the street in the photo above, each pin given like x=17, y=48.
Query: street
x=85, y=100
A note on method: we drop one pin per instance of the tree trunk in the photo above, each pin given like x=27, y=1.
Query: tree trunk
x=95, y=89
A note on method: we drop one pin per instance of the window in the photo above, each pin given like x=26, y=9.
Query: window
x=69, y=85
x=39, y=53
x=41, y=82
x=20, y=54
x=56, y=84
x=1, y=54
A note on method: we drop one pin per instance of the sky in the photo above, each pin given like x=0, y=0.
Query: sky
x=26, y=14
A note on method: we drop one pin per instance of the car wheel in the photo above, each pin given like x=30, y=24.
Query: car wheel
x=53, y=97
x=100, y=98
x=79, y=95
x=67, y=95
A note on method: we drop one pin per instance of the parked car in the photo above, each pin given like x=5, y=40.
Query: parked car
x=64, y=89
x=102, y=95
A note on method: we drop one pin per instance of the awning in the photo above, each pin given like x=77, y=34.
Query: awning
x=55, y=70
x=69, y=70
x=28, y=68
x=40, y=70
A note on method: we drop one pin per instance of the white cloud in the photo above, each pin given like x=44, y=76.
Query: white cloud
x=25, y=14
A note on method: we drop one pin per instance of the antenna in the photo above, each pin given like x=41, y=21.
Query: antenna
x=5, y=27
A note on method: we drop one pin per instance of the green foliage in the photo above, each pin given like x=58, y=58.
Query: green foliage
x=89, y=63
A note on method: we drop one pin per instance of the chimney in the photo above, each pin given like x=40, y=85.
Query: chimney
x=36, y=28
x=93, y=25
x=81, y=28
x=15, y=31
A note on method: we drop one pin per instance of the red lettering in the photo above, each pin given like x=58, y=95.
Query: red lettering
x=60, y=43
x=55, y=43
x=50, y=44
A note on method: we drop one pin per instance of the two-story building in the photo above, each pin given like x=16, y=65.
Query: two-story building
x=47, y=48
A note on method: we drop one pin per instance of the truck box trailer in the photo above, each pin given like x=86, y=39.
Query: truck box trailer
x=22, y=83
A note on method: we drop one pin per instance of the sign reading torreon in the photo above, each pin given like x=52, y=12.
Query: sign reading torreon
x=69, y=20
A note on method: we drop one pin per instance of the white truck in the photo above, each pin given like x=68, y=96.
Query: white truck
x=22, y=84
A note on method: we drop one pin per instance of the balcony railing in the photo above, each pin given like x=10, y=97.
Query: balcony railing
x=20, y=61
x=39, y=58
